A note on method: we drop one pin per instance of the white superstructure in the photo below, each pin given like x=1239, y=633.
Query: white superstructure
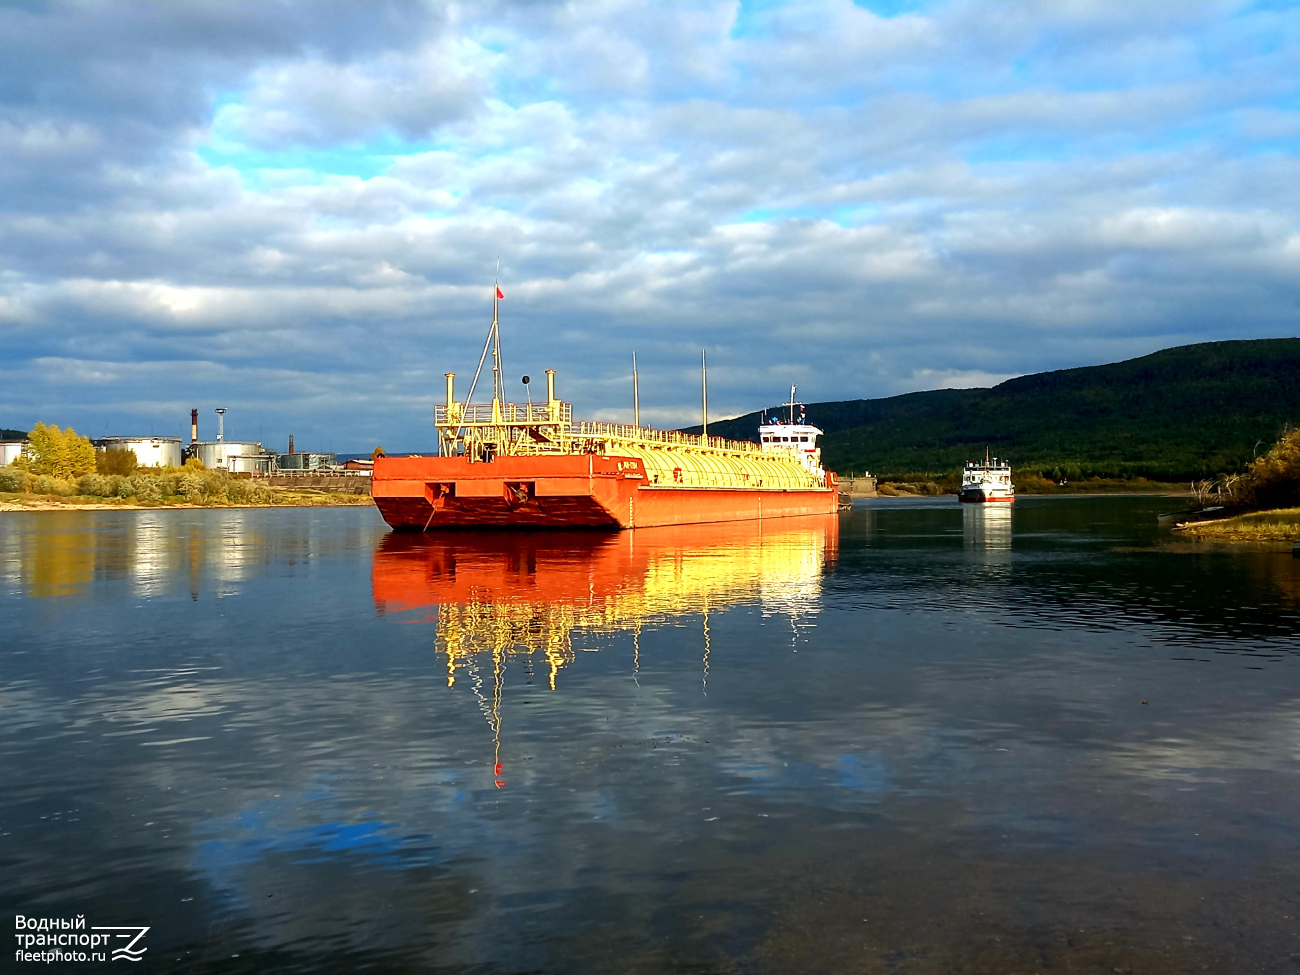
x=793, y=436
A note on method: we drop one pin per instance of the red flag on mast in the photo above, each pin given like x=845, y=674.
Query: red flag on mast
x=500, y=293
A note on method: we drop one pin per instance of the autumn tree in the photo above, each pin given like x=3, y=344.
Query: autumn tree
x=60, y=453
x=116, y=461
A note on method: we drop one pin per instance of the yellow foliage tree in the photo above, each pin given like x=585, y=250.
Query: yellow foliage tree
x=60, y=453
x=1273, y=481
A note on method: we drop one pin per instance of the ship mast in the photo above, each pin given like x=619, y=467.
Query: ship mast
x=498, y=390
x=636, y=395
x=704, y=395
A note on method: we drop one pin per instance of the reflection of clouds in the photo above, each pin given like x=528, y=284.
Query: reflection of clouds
x=1268, y=741
x=160, y=704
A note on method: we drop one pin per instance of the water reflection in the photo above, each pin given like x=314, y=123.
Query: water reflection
x=531, y=594
x=987, y=527
x=59, y=555
x=1087, y=763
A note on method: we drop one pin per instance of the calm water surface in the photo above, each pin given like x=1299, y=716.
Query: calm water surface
x=920, y=738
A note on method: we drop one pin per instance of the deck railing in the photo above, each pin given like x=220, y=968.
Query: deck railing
x=619, y=431
x=511, y=413
x=539, y=414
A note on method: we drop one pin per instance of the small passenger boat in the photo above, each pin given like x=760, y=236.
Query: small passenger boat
x=987, y=482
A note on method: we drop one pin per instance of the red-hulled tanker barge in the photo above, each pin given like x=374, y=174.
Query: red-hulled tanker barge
x=512, y=465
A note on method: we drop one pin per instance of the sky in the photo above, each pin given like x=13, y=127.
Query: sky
x=295, y=211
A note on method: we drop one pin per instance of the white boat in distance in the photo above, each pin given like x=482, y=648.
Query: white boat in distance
x=987, y=482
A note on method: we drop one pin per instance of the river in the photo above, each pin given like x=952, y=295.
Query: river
x=919, y=738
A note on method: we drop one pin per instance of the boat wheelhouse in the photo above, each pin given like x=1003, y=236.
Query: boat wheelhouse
x=793, y=437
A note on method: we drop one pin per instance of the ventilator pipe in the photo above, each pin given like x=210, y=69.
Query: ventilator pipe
x=550, y=387
x=451, y=389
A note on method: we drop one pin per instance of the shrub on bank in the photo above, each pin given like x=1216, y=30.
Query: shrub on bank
x=13, y=480
x=913, y=489
x=190, y=484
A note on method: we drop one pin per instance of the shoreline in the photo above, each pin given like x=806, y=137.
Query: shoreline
x=296, y=500
x=1024, y=497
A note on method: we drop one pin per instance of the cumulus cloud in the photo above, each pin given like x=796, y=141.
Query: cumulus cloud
x=284, y=199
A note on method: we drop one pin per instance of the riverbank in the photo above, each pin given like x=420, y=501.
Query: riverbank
x=278, y=498
x=1281, y=525
x=171, y=487
x=1031, y=485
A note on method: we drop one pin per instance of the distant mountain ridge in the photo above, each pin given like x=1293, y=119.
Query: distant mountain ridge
x=7, y=434
x=1182, y=413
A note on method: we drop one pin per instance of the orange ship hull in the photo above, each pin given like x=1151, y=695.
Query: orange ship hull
x=567, y=491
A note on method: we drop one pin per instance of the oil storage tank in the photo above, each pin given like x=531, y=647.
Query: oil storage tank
x=149, y=451
x=235, y=456
x=309, y=461
x=10, y=451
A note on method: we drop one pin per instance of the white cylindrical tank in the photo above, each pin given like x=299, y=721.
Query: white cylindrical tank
x=250, y=463
x=149, y=451
x=232, y=455
x=10, y=451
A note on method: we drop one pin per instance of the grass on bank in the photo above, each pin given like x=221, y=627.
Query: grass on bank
x=1282, y=525
x=170, y=486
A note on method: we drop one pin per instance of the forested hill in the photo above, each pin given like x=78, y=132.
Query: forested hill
x=1191, y=411
x=7, y=434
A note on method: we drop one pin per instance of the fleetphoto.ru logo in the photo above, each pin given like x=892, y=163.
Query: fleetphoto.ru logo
x=47, y=939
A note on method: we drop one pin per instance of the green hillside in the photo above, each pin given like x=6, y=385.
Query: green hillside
x=7, y=434
x=1191, y=411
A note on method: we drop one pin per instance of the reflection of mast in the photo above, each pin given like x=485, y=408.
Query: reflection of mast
x=498, y=680
x=706, y=648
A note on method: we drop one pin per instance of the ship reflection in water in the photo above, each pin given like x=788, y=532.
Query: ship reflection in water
x=986, y=532
x=510, y=594
x=529, y=593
